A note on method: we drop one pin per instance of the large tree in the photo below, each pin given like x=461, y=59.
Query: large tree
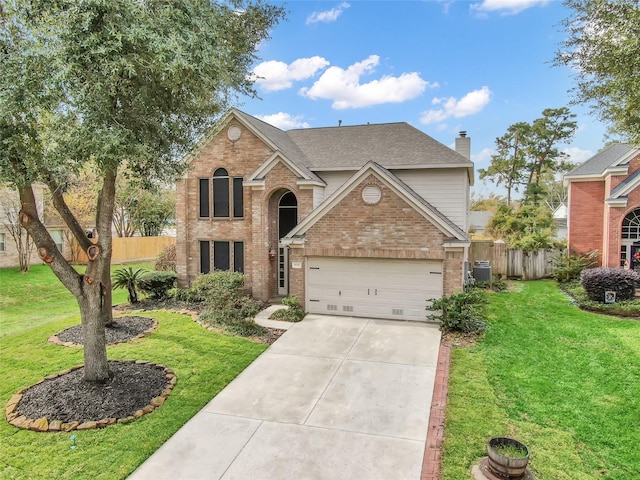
x=603, y=50
x=109, y=82
x=528, y=151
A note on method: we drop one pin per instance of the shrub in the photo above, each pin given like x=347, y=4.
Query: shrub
x=157, y=284
x=597, y=281
x=462, y=311
x=128, y=278
x=213, y=288
x=166, y=261
x=567, y=267
x=293, y=313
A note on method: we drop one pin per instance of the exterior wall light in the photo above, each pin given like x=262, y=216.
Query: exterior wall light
x=272, y=254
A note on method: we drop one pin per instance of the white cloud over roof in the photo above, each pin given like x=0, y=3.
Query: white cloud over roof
x=472, y=103
x=284, y=121
x=274, y=75
x=328, y=16
x=343, y=86
x=507, y=7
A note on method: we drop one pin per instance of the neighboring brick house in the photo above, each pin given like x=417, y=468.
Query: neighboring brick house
x=366, y=220
x=604, y=206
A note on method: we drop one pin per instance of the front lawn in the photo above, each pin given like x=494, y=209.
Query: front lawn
x=563, y=381
x=204, y=362
x=31, y=299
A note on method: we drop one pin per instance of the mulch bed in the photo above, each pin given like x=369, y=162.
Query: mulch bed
x=123, y=329
x=66, y=402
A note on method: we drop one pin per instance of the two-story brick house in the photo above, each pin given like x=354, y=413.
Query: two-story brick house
x=604, y=206
x=365, y=220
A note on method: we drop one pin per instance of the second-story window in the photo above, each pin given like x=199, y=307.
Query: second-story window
x=220, y=193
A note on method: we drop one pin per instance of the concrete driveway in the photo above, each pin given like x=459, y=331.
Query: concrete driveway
x=333, y=398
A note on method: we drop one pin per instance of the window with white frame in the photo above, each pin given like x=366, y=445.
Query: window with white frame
x=3, y=240
x=57, y=237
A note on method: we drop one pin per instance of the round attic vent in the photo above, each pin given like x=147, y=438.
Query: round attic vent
x=234, y=133
x=371, y=194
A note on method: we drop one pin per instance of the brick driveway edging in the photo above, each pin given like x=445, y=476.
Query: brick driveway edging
x=435, y=432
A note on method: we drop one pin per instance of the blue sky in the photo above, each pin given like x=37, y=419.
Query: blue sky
x=441, y=66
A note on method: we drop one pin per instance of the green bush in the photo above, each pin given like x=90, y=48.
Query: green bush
x=462, y=311
x=568, y=266
x=166, y=261
x=293, y=313
x=227, y=305
x=157, y=284
x=622, y=308
x=597, y=281
x=213, y=288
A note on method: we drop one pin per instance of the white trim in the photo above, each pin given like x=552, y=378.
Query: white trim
x=617, y=202
x=628, y=188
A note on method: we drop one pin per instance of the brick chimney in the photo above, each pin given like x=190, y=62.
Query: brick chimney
x=463, y=145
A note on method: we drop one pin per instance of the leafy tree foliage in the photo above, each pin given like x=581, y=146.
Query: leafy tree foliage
x=529, y=151
x=109, y=84
x=529, y=227
x=486, y=204
x=603, y=49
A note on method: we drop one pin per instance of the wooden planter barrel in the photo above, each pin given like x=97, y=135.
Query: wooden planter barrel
x=505, y=466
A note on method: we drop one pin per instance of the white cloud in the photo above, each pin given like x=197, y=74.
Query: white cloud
x=484, y=157
x=577, y=155
x=470, y=104
x=274, y=75
x=344, y=87
x=508, y=7
x=284, y=121
x=328, y=15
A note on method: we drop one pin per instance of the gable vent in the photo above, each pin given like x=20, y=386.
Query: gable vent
x=371, y=194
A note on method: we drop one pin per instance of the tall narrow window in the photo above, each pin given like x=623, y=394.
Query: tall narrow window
x=238, y=257
x=204, y=197
x=3, y=245
x=287, y=213
x=205, y=257
x=220, y=193
x=221, y=255
x=238, y=201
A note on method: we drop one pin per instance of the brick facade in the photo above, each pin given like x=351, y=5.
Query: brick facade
x=392, y=228
x=595, y=225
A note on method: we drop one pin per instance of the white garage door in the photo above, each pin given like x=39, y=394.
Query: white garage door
x=364, y=287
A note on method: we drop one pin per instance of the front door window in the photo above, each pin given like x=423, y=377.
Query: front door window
x=630, y=245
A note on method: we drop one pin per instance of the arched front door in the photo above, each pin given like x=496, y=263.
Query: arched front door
x=630, y=244
x=287, y=219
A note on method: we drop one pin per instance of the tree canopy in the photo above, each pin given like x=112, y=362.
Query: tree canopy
x=527, y=151
x=603, y=50
x=107, y=83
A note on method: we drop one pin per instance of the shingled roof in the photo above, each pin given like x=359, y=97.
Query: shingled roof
x=601, y=161
x=392, y=145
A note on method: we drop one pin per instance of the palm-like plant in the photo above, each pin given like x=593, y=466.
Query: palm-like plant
x=128, y=278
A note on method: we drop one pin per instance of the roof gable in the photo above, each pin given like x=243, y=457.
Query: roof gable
x=625, y=187
x=612, y=156
x=443, y=223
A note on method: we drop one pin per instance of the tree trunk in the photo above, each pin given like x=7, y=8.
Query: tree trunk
x=95, y=314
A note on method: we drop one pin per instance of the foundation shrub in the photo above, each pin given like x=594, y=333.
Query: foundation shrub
x=157, y=284
x=462, y=311
x=293, y=313
x=597, y=281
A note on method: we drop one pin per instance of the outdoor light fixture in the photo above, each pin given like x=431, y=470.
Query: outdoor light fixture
x=272, y=254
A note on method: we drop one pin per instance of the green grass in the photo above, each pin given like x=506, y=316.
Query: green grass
x=563, y=381
x=37, y=297
x=204, y=362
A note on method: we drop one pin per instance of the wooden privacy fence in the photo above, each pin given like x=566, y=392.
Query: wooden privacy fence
x=513, y=262
x=131, y=249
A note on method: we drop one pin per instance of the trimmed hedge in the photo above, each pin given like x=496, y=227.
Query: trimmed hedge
x=597, y=281
x=157, y=284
